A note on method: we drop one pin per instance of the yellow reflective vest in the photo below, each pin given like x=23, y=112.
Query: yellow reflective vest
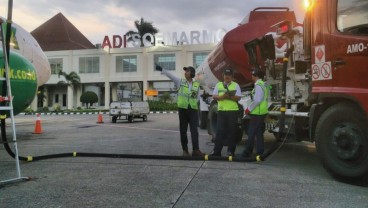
x=262, y=108
x=186, y=97
x=226, y=105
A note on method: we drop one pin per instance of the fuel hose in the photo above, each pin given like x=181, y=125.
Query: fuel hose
x=235, y=158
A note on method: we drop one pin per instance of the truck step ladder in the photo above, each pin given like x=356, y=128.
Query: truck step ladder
x=6, y=104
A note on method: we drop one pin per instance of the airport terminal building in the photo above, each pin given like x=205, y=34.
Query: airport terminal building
x=113, y=73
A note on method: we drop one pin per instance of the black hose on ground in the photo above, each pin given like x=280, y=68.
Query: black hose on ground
x=134, y=156
x=6, y=143
x=150, y=157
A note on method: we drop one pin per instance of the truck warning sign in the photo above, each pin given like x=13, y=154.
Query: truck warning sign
x=321, y=71
x=319, y=54
x=315, y=72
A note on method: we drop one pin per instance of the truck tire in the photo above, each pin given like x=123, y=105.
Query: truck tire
x=144, y=117
x=202, y=119
x=212, y=121
x=342, y=142
x=114, y=118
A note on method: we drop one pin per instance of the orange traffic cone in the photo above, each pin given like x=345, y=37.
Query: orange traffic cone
x=38, y=128
x=99, y=118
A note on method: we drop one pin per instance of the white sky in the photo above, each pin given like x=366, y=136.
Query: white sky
x=97, y=18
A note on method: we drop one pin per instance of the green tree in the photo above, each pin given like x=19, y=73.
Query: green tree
x=89, y=97
x=142, y=27
x=72, y=79
x=166, y=97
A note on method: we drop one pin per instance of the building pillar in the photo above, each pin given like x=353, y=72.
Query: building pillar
x=114, y=91
x=107, y=78
x=107, y=95
x=79, y=94
x=69, y=98
x=145, y=72
x=33, y=104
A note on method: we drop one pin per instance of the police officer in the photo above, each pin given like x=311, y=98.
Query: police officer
x=257, y=111
x=187, y=107
x=227, y=94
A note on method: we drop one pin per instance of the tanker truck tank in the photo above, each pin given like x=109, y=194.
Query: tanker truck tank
x=230, y=51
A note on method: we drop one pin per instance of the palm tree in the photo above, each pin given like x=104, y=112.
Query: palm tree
x=142, y=27
x=72, y=79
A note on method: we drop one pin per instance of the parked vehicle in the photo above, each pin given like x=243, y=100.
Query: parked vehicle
x=129, y=111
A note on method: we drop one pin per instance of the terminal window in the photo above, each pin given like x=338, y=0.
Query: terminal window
x=198, y=58
x=89, y=65
x=56, y=65
x=126, y=63
x=166, y=61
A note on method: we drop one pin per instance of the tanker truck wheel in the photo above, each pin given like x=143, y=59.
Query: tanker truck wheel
x=342, y=142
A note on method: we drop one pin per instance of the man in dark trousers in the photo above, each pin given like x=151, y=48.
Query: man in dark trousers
x=257, y=111
x=187, y=107
x=227, y=94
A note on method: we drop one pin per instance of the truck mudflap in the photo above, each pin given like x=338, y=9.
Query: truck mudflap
x=342, y=141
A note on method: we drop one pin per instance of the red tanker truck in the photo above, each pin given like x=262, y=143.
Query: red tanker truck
x=317, y=75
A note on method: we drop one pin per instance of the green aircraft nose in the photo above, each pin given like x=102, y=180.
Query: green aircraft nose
x=23, y=81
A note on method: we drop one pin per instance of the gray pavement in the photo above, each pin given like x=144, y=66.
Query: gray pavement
x=292, y=177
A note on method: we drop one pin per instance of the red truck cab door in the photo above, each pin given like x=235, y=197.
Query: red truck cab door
x=340, y=49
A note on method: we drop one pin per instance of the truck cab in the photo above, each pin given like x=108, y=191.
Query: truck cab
x=317, y=75
x=322, y=85
x=338, y=117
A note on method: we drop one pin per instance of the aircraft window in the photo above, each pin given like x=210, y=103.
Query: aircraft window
x=352, y=17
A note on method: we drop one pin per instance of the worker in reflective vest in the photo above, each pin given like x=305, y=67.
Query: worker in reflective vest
x=187, y=107
x=227, y=94
x=257, y=111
